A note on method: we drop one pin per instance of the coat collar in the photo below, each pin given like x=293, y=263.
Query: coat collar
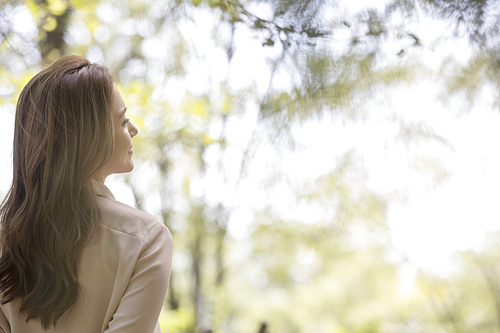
x=102, y=190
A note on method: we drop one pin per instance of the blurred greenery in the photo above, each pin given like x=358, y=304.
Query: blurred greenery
x=206, y=107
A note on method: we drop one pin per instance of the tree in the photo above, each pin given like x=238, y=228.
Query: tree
x=176, y=64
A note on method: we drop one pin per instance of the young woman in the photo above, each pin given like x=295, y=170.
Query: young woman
x=72, y=259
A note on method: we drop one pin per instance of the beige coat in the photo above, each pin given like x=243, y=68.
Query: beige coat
x=124, y=273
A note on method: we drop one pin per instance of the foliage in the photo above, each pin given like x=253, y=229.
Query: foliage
x=205, y=109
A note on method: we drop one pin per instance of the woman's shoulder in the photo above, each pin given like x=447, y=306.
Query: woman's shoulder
x=128, y=220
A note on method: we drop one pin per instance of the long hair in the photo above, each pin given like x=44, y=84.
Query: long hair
x=63, y=137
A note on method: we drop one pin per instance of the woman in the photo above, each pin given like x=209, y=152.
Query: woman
x=72, y=258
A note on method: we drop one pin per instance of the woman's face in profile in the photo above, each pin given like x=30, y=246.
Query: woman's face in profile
x=121, y=159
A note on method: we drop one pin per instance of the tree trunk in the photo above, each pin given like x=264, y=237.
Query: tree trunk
x=54, y=38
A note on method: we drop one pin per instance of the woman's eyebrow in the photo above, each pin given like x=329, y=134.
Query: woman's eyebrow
x=123, y=112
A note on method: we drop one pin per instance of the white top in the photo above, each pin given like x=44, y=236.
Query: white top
x=124, y=272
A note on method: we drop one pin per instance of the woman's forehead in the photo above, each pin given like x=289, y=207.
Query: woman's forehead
x=118, y=105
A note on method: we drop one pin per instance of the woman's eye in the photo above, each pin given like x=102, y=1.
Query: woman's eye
x=126, y=121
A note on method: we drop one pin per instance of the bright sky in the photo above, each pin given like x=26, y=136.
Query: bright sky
x=436, y=220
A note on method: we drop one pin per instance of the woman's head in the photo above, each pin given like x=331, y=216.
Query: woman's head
x=124, y=130
x=64, y=124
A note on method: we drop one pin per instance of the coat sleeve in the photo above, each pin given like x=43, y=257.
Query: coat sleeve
x=140, y=306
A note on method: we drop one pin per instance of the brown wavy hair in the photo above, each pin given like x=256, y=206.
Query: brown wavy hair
x=63, y=137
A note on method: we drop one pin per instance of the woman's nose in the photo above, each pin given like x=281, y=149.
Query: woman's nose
x=132, y=129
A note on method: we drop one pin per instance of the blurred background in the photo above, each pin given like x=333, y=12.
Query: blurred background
x=324, y=166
